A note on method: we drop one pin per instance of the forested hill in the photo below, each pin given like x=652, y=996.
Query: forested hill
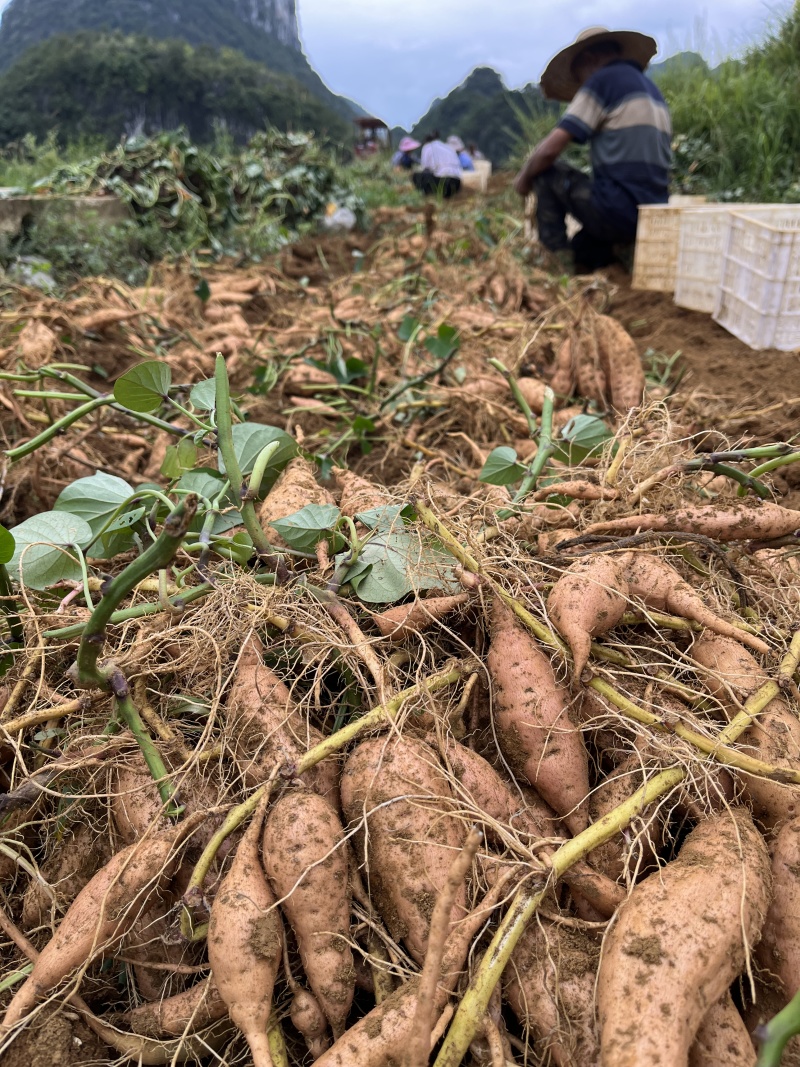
x=483, y=110
x=90, y=85
x=264, y=30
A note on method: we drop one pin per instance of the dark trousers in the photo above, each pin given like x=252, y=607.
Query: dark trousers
x=427, y=183
x=562, y=190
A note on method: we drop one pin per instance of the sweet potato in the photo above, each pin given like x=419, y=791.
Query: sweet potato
x=533, y=391
x=151, y=942
x=245, y=943
x=589, y=599
x=98, y=918
x=303, y=379
x=74, y=860
x=589, y=374
x=306, y=863
x=536, y=734
x=731, y=675
x=549, y=984
x=135, y=803
x=731, y=521
x=562, y=374
x=401, y=622
x=357, y=494
x=524, y=811
x=623, y=852
x=309, y=1020
x=663, y=589
x=380, y=1038
x=779, y=951
x=191, y=1010
x=296, y=488
x=679, y=941
x=621, y=363
x=722, y=1038
x=268, y=727
x=409, y=835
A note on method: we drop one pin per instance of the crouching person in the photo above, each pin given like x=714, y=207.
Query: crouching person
x=441, y=169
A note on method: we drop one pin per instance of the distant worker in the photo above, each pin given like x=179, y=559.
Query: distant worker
x=441, y=169
x=620, y=111
x=403, y=158
x=475, y=152
x=464, y=158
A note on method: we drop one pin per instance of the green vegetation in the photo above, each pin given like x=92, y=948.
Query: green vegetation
x=483, y=110
x=89, y=85
x=203, y=23
x=738, y=126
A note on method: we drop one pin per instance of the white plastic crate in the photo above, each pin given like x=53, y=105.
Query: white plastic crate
x=701, y=244
x=477, y=180
x=656, y=256
x=758, y=299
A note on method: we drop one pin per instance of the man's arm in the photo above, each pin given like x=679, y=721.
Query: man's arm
x=543, y=156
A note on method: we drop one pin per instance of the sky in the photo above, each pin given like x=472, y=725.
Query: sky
x=395, y=56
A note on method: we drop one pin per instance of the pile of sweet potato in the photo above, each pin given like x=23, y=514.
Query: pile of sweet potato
x=347, y=903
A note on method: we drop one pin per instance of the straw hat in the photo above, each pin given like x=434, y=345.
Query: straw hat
x=558, y=81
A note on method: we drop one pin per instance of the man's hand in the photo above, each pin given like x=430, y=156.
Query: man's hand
x=541, y=159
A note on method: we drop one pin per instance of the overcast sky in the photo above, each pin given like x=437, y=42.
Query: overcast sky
x=395, y=56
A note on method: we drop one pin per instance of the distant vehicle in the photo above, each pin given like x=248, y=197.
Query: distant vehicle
x=372, y=136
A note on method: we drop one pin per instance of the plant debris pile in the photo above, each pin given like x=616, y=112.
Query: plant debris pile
x=186, y=187
x=393, y=673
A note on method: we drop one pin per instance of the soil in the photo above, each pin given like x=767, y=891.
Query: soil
x=57, y=1039
x=718, y=366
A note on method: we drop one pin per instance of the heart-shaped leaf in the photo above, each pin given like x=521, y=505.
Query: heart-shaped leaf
x=95, y=499
x=250, y=438
x=392, y=565
x=7, y=545
x=501, y=467
x=204, y=395
x=306, y=528
x=41, y=557
x=144, y=387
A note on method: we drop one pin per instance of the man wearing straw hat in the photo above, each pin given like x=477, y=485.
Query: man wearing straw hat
x=621, y=113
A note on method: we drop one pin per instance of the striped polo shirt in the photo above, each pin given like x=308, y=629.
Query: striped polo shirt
x=620, y=110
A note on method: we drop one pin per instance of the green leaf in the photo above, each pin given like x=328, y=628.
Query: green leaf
x=249, y=438
x=392, y=565
x=501, y=467
x=444, y=344
x=363, y=425
x=583, y=436
x=204, y=395
x=38, y=558
x=7, y=545
x=202, y=291
x=408, y=327
x=95, y=499
x=238, y=548
x=143, y=387
x=387, y=517
x=307, y=527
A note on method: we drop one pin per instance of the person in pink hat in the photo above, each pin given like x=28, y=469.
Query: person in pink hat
x=620, y=113
x=403, y=158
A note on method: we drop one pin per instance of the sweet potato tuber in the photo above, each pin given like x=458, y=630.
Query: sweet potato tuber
x=309, y=1020
x=619, y=358
x=679, y=941
x=380, y=1037
x=400, y=622
x=733, y=674
x=75, y=859
x=663, y=589
x=739, y=521
x=549, y=984
x=621, y=853
x=306, y=863
x=191, y=1010
x=722, y=1038
x=562, y=376
x=779, y=951
x=245, y=943
x=589, y=599
x=536, y=734
x=269, y=728
x=357, y=494
x=295, y=488
x=98, y=918
x=589, y=374
x=410, y=835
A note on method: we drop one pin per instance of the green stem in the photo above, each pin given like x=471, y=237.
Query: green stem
x=513, y=385
x=58, y=427
x=746, y=481
x=773, y=464
x=543, y=452
x=158, y=555
x=233, y=471
x=777, y=1034
x=141, y=611
x=129, y=714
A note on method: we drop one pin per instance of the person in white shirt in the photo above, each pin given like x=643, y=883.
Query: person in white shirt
x=441, y=169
